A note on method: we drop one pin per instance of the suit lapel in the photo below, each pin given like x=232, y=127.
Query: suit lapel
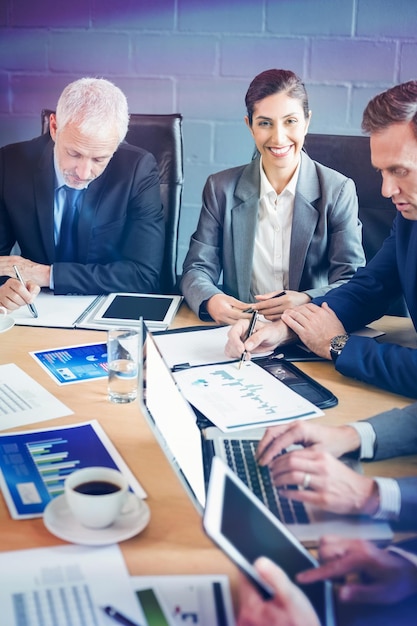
x=305, y=219
x=244, y=220
x=44, y=185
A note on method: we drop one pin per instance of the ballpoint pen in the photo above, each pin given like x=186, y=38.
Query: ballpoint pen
x=118, y=617
x=31, y=307
x=251, y=328
x=277, y=295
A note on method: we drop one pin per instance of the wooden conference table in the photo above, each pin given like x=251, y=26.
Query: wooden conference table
x=173, y=542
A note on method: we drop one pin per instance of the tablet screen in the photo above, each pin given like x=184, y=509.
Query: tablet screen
x=135, y=307
x=253, y=534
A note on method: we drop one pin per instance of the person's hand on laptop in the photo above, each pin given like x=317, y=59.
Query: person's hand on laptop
x=288, y=607
x=379, y=576
x=337, y=440
x=325, y=482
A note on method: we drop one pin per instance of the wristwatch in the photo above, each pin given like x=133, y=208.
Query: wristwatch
x=336, y=346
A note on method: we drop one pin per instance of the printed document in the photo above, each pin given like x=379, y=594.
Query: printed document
x=23, y=400
x=235, y=399
x=65, y=585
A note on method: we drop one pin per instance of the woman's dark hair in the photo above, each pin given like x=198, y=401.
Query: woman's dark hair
x=396, y=105
x=270, y=82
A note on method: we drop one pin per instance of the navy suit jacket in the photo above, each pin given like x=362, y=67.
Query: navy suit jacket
x=120, y=228
x=365, y=298
x=396, y=435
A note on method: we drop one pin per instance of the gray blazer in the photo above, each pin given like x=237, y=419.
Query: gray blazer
x=326, y=240
x=396, y=435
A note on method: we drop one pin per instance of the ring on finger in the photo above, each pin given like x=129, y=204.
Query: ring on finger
x=306, y=481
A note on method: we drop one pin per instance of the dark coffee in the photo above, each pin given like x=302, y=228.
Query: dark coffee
x=97, y=488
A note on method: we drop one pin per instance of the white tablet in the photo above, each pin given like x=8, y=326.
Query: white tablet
x=157, y=311
x=245, y=529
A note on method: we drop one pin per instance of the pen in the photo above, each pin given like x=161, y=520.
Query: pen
x=31, y=307
x=251, y=328
x=277, y=295
x=118, y=617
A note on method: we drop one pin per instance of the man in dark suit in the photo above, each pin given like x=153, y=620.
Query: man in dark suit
x=323, y=325
x=114, y=240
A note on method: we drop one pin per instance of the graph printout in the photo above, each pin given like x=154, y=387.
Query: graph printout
x=23, y=400
x=235, y=399
x=65, y=586
x=34, y=464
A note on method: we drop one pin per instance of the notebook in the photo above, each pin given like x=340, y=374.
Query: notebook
x=190, y=449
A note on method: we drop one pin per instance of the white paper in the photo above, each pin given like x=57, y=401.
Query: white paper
x=190, y=599
x=53, y=311
x=23, y=400
x=196, y=347
x=249, y=397
x=65, y=585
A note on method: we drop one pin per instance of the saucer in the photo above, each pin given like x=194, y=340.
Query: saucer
x=6, y=323
x=59, y=520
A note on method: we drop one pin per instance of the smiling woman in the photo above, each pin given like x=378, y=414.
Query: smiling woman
x=281, y=225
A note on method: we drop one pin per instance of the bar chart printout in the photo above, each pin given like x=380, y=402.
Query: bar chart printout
x=65, y=585
x=34, y=464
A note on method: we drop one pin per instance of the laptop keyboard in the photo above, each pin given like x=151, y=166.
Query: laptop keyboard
x=240, y=456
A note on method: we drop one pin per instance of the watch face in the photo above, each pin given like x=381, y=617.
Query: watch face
x=339, y=342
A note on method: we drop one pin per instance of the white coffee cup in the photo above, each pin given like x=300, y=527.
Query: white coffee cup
x=96, y=495
x=6, y=321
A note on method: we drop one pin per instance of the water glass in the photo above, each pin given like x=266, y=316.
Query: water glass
x=123, y=359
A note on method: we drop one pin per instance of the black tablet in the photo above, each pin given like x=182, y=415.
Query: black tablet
x=244, y=529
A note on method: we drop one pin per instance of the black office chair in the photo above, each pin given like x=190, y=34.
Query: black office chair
x=351, y=155
x=162, y=136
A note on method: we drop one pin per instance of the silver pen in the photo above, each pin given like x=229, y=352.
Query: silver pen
x=31, y=307
x=251, y=328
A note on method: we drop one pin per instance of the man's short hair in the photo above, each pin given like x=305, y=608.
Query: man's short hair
x=396, y=105
x=95, y=105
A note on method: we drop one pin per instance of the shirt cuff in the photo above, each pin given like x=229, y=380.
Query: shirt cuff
x=368, y=438
x=409, y=556
x=51, y=278
x=389, y=499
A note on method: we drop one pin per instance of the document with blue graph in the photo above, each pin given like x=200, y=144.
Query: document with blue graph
x=65, y=586
x=249, y=397
x=35, y=463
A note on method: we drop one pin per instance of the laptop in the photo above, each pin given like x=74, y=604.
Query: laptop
x=190, y=448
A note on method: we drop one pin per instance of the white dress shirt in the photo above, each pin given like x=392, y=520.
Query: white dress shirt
x=271, y=255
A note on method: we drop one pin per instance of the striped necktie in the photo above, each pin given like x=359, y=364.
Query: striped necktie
x=66, y=250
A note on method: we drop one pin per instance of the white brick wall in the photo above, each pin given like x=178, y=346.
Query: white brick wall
x=197, y=57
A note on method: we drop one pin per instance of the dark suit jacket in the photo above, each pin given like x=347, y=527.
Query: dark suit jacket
x=396, y=435
x=365, y=298
x=326, y=247
x=121, y=224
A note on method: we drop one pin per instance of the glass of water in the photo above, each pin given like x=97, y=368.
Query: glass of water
x=123, y=363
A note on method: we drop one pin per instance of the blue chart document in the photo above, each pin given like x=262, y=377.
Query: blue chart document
x=74, y=364
x=249, y=397
x=34, y=464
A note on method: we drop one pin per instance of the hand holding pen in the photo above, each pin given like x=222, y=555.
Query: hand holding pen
x=31, y=307
x=265, y=299
x=251, y=329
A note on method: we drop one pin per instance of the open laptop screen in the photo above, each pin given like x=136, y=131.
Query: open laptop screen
x=172, y=420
